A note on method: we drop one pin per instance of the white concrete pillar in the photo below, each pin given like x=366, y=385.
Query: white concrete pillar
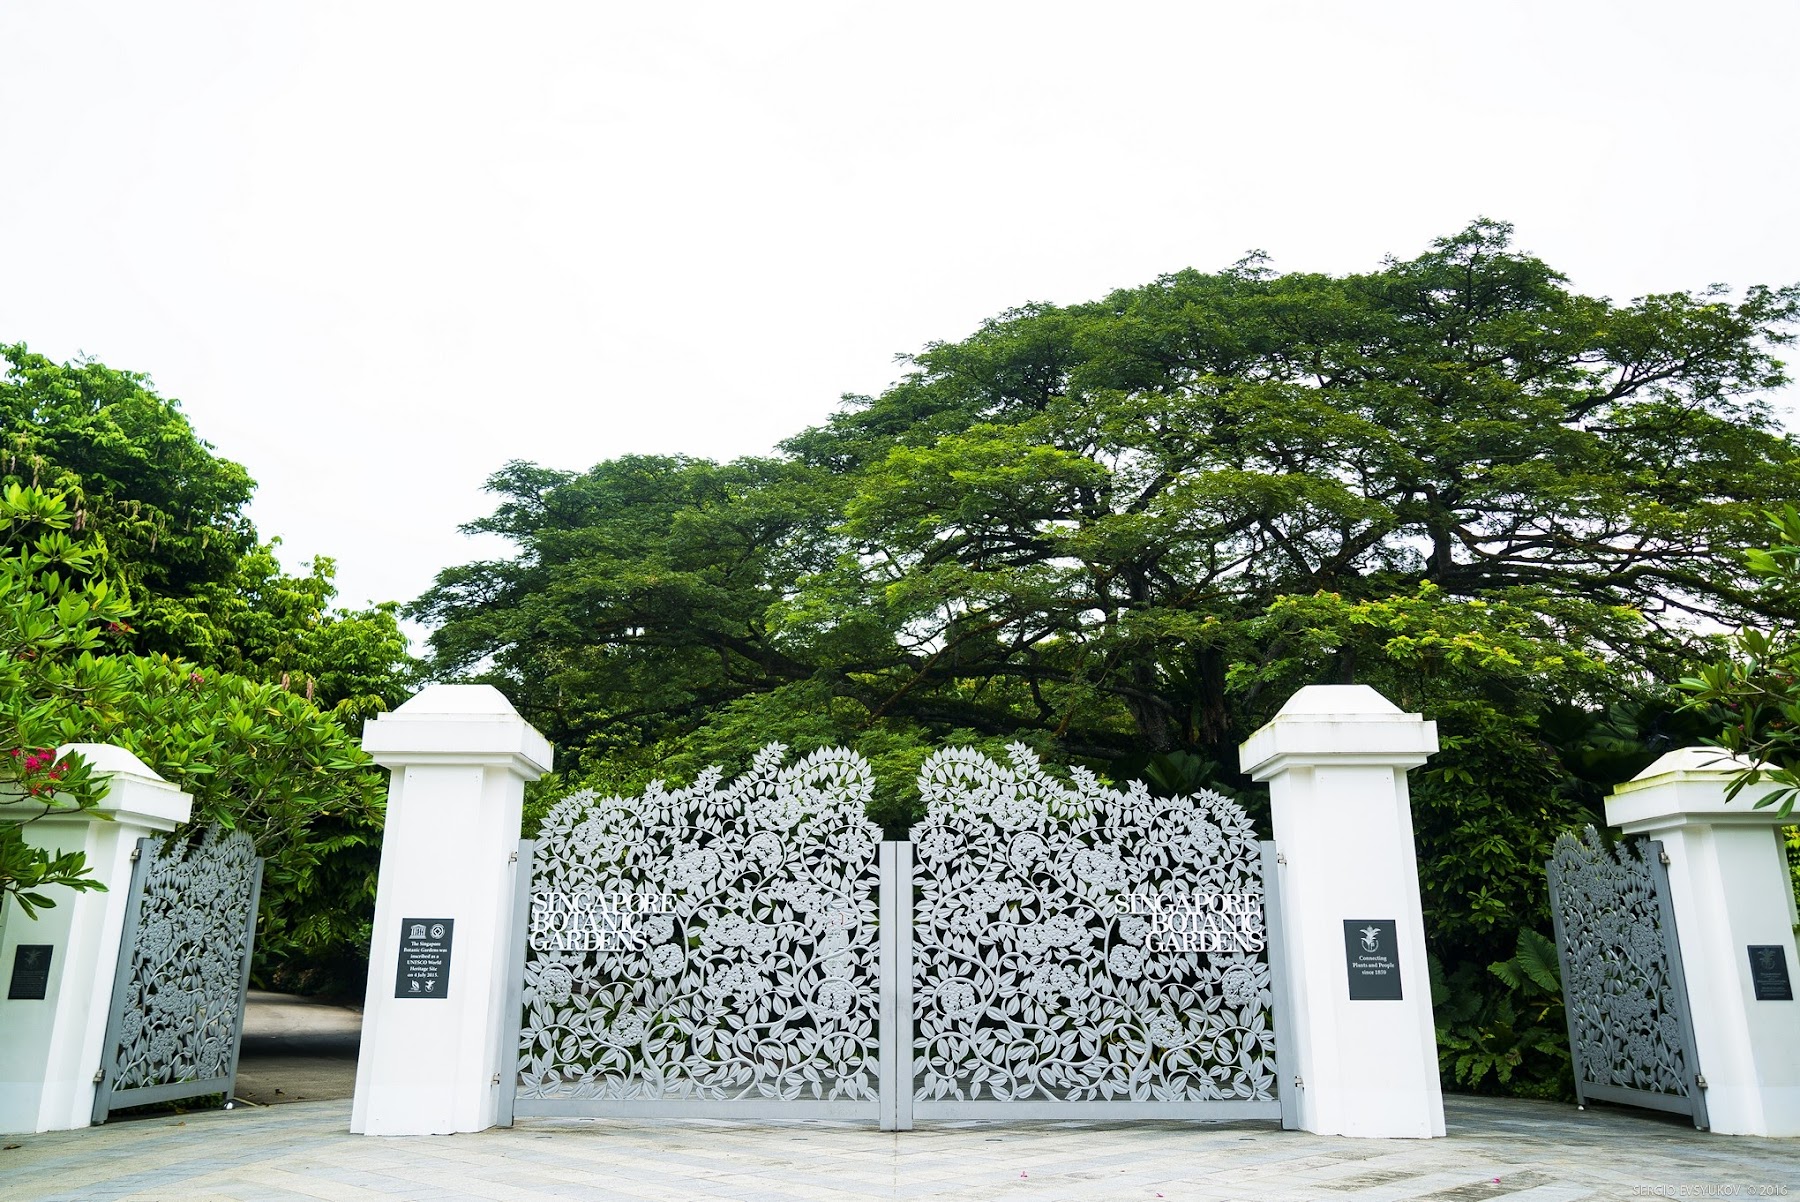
x=1360, y=1033
x=50, y=1047
x=1733, y=900
x=432, y=1061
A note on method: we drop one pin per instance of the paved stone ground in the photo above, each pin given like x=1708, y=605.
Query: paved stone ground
x=1538, y=1152
x=297, y=1050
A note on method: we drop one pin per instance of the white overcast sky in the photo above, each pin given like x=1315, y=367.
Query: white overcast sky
x=378, y=249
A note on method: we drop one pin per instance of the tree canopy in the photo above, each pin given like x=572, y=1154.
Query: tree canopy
x=1131, y=526
x=179, y=545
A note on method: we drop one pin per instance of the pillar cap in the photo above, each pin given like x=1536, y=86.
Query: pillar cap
x=1348, y=724
x=1686, y=787
x=135, y=794
x=471, y=724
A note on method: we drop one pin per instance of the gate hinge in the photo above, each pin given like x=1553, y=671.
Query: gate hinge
x=1281, y=857
x=1664, y=857
x=1700, y=1080
x=135, y=853
x=99, y=1075
x=1299, y=1083
x=496, y=1080
x=513, y=858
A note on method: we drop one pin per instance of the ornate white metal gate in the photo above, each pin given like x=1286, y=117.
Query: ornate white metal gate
x=1037, y=950
x=1624, y=990
x=1080, y=951
x=176, y=1021
x=707, y=951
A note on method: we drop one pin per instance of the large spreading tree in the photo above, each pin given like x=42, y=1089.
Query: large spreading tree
x=1093, y=521
x=1125, y=531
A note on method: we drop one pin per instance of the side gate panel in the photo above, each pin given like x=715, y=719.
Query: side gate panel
x=176, y=1022
x=1624, y=990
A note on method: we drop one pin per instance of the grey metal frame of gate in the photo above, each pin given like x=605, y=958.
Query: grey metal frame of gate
x=1631, y=1036
x=176, y=1020
x=1230, y=997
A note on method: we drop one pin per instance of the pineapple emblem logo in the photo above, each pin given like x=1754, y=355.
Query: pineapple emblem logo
x=1371, y=939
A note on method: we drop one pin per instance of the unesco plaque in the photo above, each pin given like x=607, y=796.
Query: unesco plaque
x=1372, y=955
x=30, y=972
x=424, y=969
x=1769, y=973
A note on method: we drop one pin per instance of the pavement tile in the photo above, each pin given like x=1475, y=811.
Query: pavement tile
x=1540, y=1152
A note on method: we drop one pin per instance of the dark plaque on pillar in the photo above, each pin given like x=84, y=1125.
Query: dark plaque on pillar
x=31, y=972
x=424, y=958
x=1372, y=953
x=1769, y=973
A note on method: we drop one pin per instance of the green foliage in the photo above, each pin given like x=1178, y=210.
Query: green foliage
x=1792, y=837
x=170, y=512
x=254, y=755
x=1753, y=694
x=259, y=758
x=1755, y=690
x=1514, y=1041
x=640, y=606
x=181, y=550
x=283, y=629
x=53, y=617
x=805, y=717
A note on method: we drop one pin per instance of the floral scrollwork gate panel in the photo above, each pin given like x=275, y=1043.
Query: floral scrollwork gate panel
x=184, y=962
x=1622, y=983
x=1077, y=943
x=713, y=943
